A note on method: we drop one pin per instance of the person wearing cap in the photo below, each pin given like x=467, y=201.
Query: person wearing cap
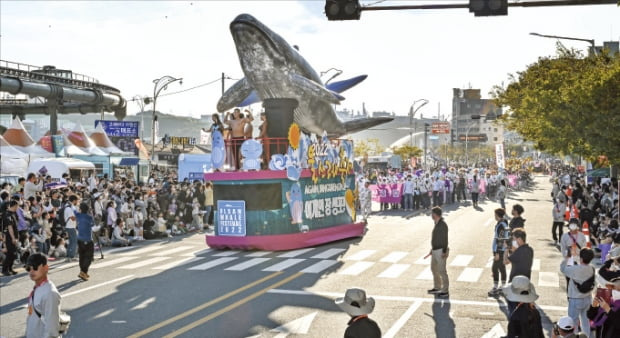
x=578, y=302
x=357, y=305
x=565, y=328
x=439, y=254
x=524, y=320
x=43, y=302
x=574, y=238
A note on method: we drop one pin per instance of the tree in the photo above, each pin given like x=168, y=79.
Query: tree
x=406, y=152
x=567, y=104
x=368, y=148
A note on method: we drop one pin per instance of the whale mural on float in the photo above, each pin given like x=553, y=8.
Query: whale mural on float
x=273, y=69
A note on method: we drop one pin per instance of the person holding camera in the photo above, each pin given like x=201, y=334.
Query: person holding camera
x=580, y=289
x=565, y=328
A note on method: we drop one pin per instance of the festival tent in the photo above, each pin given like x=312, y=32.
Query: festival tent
x=104, y=143
x=17, y=136
x=12, y=161
x=71, y=149
x=80, y=139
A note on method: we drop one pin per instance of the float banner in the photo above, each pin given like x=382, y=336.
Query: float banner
x=231, y=218
x=499, y=156
x=122, y=134
x=387, y=193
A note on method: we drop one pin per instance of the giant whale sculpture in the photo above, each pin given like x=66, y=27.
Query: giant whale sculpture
x=273, y=69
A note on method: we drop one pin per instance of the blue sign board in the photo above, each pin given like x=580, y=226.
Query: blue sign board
x=192, y=176
x=122, y=133
x=231, y=218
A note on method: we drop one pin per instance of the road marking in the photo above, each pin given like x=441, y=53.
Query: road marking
x=423, y=261
x=138, y=252
x=143, y=263
x=536, y=264
x=394, y=271
x=295, y=253
x=104, y=313
x=183, y=261
x=65, y=295
x=144, y=304
x=470, y=275
x=328, y=253
x=489, y=262
x=361, y=255
x=226, y=253
x=394, y=257
x=334, y=295
x=197, y=252
x=462, y=260
x=426, y=274
x=356, y=268
x=402, y=320
x=112, y=262
x=203, y=306
x=548, y=279
x=258, y=254
x=214, y=263
x=496, y=332
x=320, y=266
x=172, y=251
x=232, y=306
x=298, y=326
x=285, y=264
x=247, y=264
x=488, y=222
x=118, y=249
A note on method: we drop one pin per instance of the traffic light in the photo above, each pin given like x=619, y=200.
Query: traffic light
x=343, y=9
x=488, y=7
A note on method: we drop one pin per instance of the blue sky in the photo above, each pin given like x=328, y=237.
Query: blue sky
x=407, y=55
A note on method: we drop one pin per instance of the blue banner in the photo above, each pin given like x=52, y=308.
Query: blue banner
x=58, y=145
x=122, y=133
x=231, y=218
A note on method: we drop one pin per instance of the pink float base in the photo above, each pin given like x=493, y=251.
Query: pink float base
x=287, y=241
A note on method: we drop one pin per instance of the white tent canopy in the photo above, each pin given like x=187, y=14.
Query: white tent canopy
x=17, y=136
x=80, y=139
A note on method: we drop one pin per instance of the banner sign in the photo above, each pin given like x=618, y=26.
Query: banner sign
x=58, y=145
x=387, y=193
x=231, y=218
x=122, y=133
x=179, y=140
x=440, y=128
x=169, y=158
x=499, y=156
x=192, y=176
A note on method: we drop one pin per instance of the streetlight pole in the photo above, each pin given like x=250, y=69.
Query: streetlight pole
x=160, y=84
x=590, y=41
x=412, y=111
x=139, y=99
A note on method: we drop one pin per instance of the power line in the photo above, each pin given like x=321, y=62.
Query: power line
x=184, y=90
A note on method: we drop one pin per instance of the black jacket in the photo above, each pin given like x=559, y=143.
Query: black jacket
x=362, y=328
x=525, y=323
x=517, y=222
x=439, y=238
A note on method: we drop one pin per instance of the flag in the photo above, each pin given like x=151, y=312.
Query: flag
x=143, y=152
x=499, y=156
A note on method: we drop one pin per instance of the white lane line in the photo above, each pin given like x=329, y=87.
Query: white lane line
x=320, y=266
x=144, y=304
x=462, y=260
x=196, y=252
x=335, y=295
x=402, y=320
x=548, y=279
x=183, y=261
x=394, y=271
x=214, y=263
x=139, y=252
x=423, y=261
x=247, y=264
x=489, y=262
x=394, y=257
x=328, y=253
x=536, y=265
x=488, y=222
x=65, y=295
x=143, y=263
x=112, y=262
x=259, y=254
x=284, y=264
x=64, y=265
x=172, y=251
x=360, y=255
x=226, y=253
x=426, y=274
x=118, y=249
x=295, y=253
x=470, y=275
x=356, y=268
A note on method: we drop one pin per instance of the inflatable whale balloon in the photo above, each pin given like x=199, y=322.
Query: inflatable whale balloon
x=273, y=69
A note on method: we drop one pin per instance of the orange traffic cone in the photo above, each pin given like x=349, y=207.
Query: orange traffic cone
x=586, y=233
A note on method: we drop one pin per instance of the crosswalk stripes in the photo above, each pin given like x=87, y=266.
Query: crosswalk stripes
x=536, y=265
x=112, y=262
x=320, y=266
x=360, y=255
x=248, y=264
x=226, y=253
x=141, y=251
x=426, y=274
x=328, y=253
x=394, y=271
x=548, y=279
x=183, y=261
x=394, y=257
x=423, y=261
x=213, y=263
x=197, y=252
x=284, y=265
x=295, y=253
x=470, y=275
x=356, y=268
x=461, y=260
x=172, y=251
x=258, y=254
x=143, y=263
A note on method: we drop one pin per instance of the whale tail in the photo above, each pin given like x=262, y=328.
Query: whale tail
x=361, y=124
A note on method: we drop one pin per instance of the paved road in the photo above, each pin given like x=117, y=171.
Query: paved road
x=182, y=288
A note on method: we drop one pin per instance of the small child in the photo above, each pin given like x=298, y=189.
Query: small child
x=197, y=224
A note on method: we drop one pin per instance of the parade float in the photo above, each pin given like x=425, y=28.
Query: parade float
x=296, y=187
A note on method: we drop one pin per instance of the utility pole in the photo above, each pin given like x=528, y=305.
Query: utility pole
x=223, y=77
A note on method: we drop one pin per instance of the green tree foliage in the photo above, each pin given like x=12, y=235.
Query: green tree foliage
x=368, y=148
x=567, y=104
x=406, y=152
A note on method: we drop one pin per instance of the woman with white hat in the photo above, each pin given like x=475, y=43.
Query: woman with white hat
x=358, y=306
x=524, y=320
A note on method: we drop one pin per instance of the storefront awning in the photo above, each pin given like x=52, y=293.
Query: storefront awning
x=129, y=161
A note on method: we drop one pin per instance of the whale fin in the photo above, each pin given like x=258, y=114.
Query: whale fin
x=251, y=99
x=235, y=95
x=310, y=88
x=356, y=125
x=341, y=86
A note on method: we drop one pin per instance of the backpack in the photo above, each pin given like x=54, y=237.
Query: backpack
x=587, y=285
x=61, y=215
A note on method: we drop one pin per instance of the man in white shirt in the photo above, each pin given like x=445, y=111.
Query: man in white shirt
x=32, y=186
x=71, y=227
x=365, y=196
x=92, y=181
x=408, y=193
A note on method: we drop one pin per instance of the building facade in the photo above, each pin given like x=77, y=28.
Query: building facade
x=474, y=118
